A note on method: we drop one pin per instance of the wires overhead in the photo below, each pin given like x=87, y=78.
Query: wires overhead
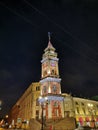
x=76, y=51
x=58, y=26
x=66, y=32
x=19, y=15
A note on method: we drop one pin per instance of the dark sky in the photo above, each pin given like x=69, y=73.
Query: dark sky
x=24, y=25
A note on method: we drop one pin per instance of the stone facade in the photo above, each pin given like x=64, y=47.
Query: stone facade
x=26, y=107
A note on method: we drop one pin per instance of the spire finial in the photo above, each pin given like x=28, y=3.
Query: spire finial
x=49, y=36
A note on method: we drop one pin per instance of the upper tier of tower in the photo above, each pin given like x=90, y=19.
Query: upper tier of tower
x=49, y=62
x=49, y=53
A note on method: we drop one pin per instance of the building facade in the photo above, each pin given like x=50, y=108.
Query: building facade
x=85, y=111
x=26, y=107
x=45, y=99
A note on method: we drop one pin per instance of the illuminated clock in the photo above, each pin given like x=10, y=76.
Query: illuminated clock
x=53, y=63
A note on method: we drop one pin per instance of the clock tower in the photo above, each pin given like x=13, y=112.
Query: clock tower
x=50, y=84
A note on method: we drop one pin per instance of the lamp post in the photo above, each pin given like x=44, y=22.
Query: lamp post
x=91, y=110
x=0, y=104
x=42, y=116
x=42, y=101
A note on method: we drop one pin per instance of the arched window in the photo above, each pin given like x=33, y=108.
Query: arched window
x=52, y=72
x=55, y=104
x=44, y=89
x=54, y=88
x=76, y=103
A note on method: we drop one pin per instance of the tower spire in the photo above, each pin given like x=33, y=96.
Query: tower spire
x=49, y=36
x=50, y=46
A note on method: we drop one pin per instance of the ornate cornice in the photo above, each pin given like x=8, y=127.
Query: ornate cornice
x=50, y=79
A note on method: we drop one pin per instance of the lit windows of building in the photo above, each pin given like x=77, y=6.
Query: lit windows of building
x=37, y=88
x=37, y=114
x=76, y=103
x=83, y=109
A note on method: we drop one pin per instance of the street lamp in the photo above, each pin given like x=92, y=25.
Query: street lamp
x=92, y=111
x=42, y=116
x=6, y=116
x=42, y=101
x=0, y=104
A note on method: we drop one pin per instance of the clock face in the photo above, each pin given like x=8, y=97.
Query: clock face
x=53, y=63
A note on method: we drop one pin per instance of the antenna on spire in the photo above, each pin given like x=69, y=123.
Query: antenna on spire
x=49, y=36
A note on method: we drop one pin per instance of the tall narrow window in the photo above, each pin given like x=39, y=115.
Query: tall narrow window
x=37, y=102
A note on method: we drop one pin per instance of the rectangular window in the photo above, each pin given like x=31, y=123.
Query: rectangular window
x=38, y=88
x=77, y=110
x=83, y=109
x=37, y=114
x=37, y=102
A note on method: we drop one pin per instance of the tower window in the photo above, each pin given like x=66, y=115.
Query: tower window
x=55, y=104
x=45, y=73
x=52, y=72
x=54, y=88
x=45, y=89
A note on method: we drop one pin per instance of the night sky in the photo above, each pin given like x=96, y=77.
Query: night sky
x=24, y=27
